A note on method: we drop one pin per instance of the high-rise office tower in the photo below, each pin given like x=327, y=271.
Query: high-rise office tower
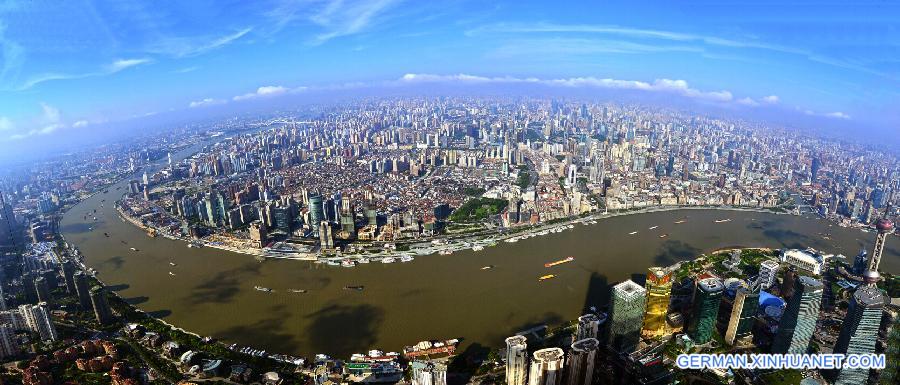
x=814, y=169
x=37, y=317
x=7, y=223
x=859, y=332
x=42, y=289
x=68, y=272
x=883, y=227
x=546, y=367
x=84, y=293
x=516, y=360
x=659, y=288
x=743, y=312
x=768, y=272
x=580, y=366
x=626, y=315
x=799, y=319
x=588, y=327
x=316, y=212
x=8, y=345
x=2, y=299
x=101, y=306
x=326, y=239
x=705, y=309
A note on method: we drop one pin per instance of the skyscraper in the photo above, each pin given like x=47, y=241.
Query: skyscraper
x=659, y=288
x=37, y=317
x=799, y=319
x=588, y=327
x=7, y=223
x=626, y=316
x=705, y=309
x=516, y=360
x=68, y=272
x=101, y=306
x=768, y=271
x=81, y=287
x=580, y=367
x=743, y=311
x=316, y=212
x=859, y=331
x=42, y=289
x=8, y=345
x=326, y=239
x=814, y=170
x=428, y=373
x=546, y=367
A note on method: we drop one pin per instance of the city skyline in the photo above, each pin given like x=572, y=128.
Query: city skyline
x=138, y=62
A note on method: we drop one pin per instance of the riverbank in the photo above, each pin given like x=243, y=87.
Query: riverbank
x=441, y=244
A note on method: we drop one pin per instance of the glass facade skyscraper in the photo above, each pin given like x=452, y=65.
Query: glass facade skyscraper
x=706, y=309
x=859, y=331
x=743, y=311
x=799, y=320
x=659, y=288
x=626, y=315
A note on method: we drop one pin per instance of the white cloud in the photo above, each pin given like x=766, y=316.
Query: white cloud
x=206, y=103
x=193, y=46
x=80, y=123
x=186, y=70
x=748, y=102
x=837, y=115
x=112, y=68
x=832, y=115
x=266, y=91
x=702, y=42
x=771, y=99
x=48, y=122
x=680, y=87
x=6, y=124
x=122, y=64
x=337, y=18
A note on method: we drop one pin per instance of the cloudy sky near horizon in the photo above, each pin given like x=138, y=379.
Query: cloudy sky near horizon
x=65, y=66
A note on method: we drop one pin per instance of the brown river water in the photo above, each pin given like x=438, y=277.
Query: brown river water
x=433, y=297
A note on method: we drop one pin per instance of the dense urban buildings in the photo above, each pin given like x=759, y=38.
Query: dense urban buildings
x=389, y=179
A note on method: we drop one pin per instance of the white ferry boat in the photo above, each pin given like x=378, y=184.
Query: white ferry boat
x=406, y=258
x=632, y=233
x=651, y=228
x=388, y=260
x=478, y=248
x=264, y=289
x=348, y=263
x=445, y=252
x=364, y=260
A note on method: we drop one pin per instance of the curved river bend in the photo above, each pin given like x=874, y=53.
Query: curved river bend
x=434, y=297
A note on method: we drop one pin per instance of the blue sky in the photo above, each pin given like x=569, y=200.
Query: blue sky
x=66, y=66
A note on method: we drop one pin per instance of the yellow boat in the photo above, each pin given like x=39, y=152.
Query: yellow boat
x=546, y=277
